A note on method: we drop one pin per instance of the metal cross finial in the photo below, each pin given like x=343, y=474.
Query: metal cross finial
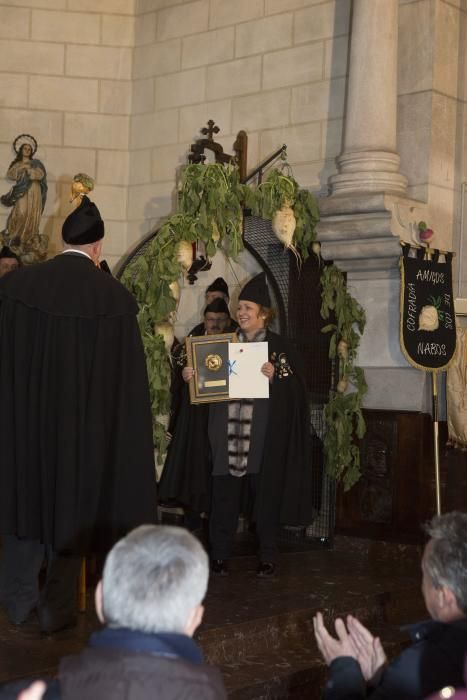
x=210, y=129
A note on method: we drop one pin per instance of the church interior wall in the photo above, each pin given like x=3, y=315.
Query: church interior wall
x=65, y=78
x=274, y=69
x=120, y=88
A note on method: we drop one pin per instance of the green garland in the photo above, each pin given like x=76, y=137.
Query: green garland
x=343, y=414
x=210, y=202
x=281, y=189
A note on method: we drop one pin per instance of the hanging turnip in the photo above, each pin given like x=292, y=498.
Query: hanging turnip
x=343, y=349
x=165, y=329
x=175, y=290
x=342, y=385
x=283, y=225
x=185, y=254
x=316, y=248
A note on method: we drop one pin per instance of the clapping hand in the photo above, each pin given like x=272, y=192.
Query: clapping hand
x=330, y=647
x=370, y=652
x=34, y=692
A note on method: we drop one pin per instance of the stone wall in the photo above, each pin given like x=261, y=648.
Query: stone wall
x=120, y=88
x=275, y=68
x=65, y=78
x=432, y=118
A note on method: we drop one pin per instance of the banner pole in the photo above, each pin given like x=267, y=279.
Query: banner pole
x=434, y=386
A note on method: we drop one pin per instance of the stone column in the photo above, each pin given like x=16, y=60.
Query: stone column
x=369, y=162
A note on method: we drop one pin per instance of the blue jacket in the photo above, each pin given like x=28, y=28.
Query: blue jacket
x=434, y=660
x=122, y=662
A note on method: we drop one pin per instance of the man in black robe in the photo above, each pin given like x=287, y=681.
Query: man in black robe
x=186, y=475
x=77, y=466
x=216, y=290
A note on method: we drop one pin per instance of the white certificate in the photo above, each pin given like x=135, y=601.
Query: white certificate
x=246, y=381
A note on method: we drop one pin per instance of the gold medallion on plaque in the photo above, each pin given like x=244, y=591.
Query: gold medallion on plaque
x=213, y=362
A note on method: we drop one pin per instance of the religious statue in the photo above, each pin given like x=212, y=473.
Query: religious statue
x=27, y=198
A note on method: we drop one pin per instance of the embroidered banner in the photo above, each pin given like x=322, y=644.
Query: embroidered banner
x=456, y=393
x=427, y=323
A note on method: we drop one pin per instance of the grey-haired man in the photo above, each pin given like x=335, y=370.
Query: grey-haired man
x=435, y=658
x=150, y=600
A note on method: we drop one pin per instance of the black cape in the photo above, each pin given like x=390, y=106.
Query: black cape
x=77, y=466
x=287, y=479
x=187, y=467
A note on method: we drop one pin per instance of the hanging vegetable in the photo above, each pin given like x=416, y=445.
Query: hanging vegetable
x=166, y=330
x=284, y=225
x=185, y=254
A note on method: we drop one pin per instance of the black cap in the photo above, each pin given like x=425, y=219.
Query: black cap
x=256, y=290
x=84, y=224
x=6, y=252
x=218, y=306
x=219, y=285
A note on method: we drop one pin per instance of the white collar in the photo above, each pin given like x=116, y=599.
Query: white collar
x=73, y=250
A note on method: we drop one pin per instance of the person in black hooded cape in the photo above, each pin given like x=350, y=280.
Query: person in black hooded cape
x=77, y=465
x=218, y=289
x=185, y=479
x=261, y=444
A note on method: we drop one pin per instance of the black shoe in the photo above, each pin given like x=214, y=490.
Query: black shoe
x=266, y=569
x=17, y=608
x=51, y=621
x=219, y=567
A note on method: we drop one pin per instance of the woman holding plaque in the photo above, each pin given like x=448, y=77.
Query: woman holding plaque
x=261, y=443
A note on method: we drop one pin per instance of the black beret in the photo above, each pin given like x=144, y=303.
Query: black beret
x=219, y=285
x=218, y=306
x=6, y=252
x=256, y=290
x=84, y=224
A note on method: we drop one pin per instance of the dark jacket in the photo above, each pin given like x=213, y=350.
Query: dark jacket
x=121, y=664
x=185, y=479
x=75, y=419
x=434, y=660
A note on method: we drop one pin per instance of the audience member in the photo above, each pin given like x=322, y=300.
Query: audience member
x=8, y=261
x=35, y=691
x=435, y=659
x=150, y=600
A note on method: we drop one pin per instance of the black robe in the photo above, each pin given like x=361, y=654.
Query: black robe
x=77, y=465
x=187, y=467
x=287, y=475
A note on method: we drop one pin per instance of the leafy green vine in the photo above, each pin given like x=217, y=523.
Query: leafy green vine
x=210, y=209
x=343, y=414
x=281, y=189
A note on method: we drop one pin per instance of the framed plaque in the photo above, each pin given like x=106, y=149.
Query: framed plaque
x=209, y=357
